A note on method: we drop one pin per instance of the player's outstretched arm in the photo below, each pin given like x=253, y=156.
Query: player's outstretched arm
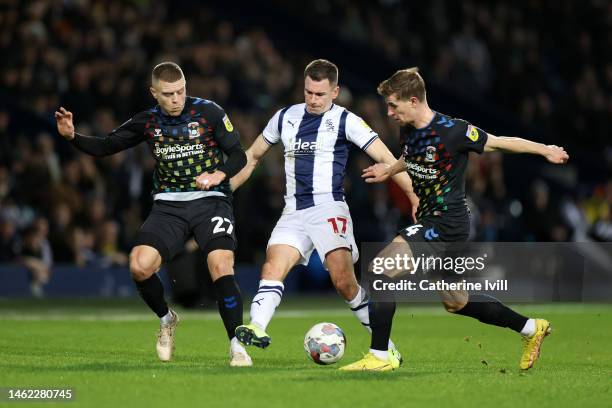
x=254, y=154
x=552, y=153
x=386, y=166
x=389, y=166
x=127, y=135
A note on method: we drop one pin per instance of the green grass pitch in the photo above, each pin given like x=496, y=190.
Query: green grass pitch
x=105, y=352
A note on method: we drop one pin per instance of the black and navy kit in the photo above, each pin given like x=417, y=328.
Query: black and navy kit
x=436, y=158
x=184, y=146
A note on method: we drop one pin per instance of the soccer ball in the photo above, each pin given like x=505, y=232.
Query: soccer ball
x=324, y=343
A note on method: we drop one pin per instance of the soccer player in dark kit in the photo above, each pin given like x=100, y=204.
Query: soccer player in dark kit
x=188, y=137
x=435, y=153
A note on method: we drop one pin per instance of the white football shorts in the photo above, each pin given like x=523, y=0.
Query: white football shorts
x=325, y=226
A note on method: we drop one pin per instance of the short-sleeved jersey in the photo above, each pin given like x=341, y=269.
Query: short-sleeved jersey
x=436, y=158
x=184, y=146
x=316, y=151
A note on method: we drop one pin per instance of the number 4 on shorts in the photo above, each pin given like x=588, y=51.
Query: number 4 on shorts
x=334, y=224
x=413, y=229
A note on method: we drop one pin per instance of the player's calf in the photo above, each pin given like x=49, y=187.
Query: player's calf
x=347, y=288
x=280, y=259
x=489, y=310
x=229, y=303
x=144, y=261
x=227, y=293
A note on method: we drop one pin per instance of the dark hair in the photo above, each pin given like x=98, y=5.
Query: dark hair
x=405, y=84
x=321, y=69
x=167, y=72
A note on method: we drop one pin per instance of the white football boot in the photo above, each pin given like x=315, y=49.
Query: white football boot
x=165, y=338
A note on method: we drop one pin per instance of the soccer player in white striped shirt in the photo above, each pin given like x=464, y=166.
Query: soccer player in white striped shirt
x=316, y=136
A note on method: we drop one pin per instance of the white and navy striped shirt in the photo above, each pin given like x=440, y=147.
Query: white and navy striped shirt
x=316, y=151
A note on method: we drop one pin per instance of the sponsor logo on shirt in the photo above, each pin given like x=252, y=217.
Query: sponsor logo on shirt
x=178, y=151
x=299, y=147
x=421, y=171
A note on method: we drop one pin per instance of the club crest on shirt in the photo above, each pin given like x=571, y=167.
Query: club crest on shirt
x=194, y=129
x=472, y=133
x=330, y=125
x=430, y=154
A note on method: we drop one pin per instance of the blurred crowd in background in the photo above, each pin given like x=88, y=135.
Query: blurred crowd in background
x=545, y=66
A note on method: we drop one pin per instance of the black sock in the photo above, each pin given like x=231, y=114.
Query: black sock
x=381, y=320
x=381, y=310
x=229, y=302
x=152, y=292
x=489, y=310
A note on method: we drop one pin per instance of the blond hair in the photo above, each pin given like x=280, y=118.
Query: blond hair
x=405, y=84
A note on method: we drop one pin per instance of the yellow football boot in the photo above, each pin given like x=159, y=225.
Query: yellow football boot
x=370, y=362
x=532, y=345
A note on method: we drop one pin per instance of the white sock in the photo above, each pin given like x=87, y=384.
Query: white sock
x=530, y=328
x=359, y=307
x=236, y=347
x=265, y=302
x=381, y=355
x=167, y=319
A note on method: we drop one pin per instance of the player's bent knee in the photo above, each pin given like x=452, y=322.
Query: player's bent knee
x=142, y=264
x=220, y=269
x=220, y=263
x=453, y=306
x=139, y=271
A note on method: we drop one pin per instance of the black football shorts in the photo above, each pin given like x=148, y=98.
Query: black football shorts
x=210, y=220
x=437, y=236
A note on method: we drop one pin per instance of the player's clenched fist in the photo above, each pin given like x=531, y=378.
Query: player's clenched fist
x=205, y=181
x=65, y=127
x=556, y=154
